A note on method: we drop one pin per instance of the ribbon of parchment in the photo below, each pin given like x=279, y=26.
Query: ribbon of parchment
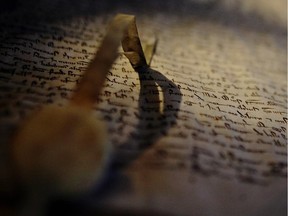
x=122, y=28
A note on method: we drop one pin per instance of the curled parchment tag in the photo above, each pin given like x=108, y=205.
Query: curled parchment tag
x=122, y=29
x=64, y=150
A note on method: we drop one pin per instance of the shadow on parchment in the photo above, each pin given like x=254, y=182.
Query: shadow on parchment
x=156, y=115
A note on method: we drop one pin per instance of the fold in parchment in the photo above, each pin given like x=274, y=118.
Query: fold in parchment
x=122, y=28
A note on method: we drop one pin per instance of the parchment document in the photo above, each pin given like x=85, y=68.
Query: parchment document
x=203, y=131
